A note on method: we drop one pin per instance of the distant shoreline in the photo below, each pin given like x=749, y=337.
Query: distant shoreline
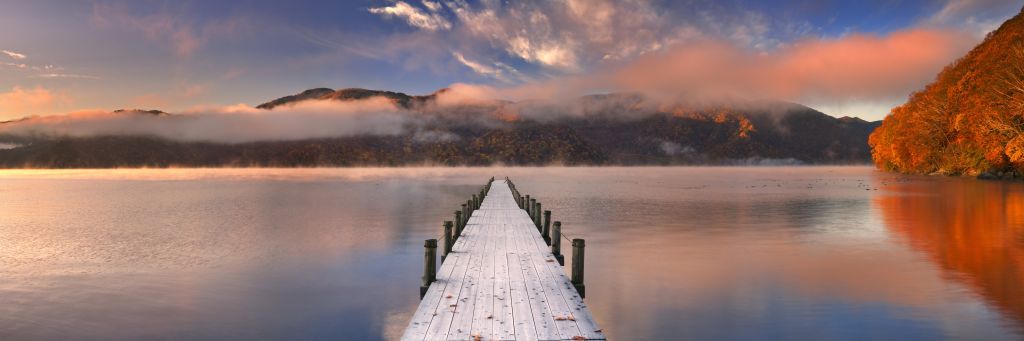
x=709, y=165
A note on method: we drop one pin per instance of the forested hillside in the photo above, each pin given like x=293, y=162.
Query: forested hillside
x=969, y=121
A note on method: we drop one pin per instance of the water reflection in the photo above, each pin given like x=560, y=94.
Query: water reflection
x=753, y=253
x=705, y=253
x=974, y=230
x=212, y=254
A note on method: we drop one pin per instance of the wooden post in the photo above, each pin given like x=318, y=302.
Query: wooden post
x=536, y=216
x=532, y=207
x=458, y=224
x=577, y=267
x=465, y=215
x=429, y=265
x=448, y=240
x=526, y=204
x=476, y=202
x=556, y=243
x=546, y=232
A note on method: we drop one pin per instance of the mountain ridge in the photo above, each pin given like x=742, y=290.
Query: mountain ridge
x=604, y=129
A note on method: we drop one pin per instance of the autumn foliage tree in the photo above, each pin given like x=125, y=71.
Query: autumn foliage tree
x=969, y=121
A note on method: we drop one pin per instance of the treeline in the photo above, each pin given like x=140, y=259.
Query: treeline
x=722, y=136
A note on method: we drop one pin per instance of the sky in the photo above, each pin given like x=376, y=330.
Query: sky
x=844, y=58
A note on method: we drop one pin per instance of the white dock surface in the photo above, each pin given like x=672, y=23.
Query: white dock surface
x=501, y=282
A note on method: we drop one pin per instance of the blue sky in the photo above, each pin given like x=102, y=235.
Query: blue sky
x=63, y=56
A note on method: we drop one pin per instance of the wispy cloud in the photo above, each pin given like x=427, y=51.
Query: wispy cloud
x=65, y=75
x=574, y=35
x=427, y=20
x=14, y=55
x=979, y=16
x=186, y=37
x=499, y=71
x=45, y=70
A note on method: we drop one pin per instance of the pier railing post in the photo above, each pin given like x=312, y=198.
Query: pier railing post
x=476, y=202
x=429, y=265
x=526, y=204
x=536, y=216
x=458, y=224
x=577, y=267
x=546, y=232
x=448, y=240
x=465, y=215
x=533, y=207
x=556, y=243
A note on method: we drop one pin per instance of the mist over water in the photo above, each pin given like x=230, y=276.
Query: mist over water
x=710, y=253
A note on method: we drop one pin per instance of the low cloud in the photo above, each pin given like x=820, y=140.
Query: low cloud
x=231, y=124
x=855, y=66
x=21, y=101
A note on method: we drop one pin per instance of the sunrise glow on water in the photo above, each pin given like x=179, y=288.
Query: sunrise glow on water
x=832, y=252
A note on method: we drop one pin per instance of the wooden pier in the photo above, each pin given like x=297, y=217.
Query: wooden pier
x=499, y=278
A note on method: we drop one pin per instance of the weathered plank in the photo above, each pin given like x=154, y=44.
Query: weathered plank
x=502, y=328
x=501, y=283
x=444, y=312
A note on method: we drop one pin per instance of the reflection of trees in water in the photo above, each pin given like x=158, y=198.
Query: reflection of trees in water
x=973, y=229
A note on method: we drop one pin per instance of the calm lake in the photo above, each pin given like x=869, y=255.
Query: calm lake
x=695, y=253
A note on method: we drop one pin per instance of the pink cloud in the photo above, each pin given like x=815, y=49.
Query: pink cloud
x=854, y=67
x=21, y=102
